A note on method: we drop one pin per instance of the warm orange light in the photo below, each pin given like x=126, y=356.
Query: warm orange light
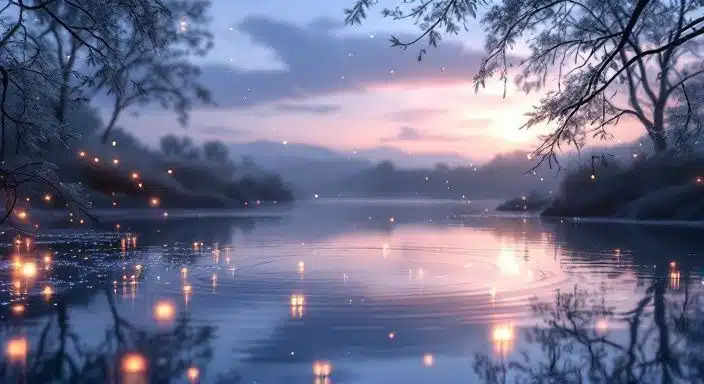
x=322, y=369
x=22, y=215
x=47, y=291
x=116, y=161
x=47, y=197
x=193, y=373
x=135, y=175
x=502, y=333
x=17, y=309
x=184, y=271
x=154, y=202
x=47, y=259
x=16, y=349
x=164, y=311
x=82, y=154
x=187, y=289
x=301, y=266
x=134, y=363
x=428, y=360
x=297, y=300
x=602, y=325
x=29, y=269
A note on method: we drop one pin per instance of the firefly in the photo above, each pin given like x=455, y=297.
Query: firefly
x=193, y=374
x=29, y=270
x=134, y=363
x=164, y=311
x=16, y=349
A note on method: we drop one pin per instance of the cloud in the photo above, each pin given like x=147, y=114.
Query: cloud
x=318, y=60
x=217, y=130
x=415, y=114
x=407, y=134
x=314, y=109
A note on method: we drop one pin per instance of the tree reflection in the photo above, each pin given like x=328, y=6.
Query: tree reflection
x=59, y=354
x=581, y=339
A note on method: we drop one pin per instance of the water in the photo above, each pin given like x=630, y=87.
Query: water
x=353, y=292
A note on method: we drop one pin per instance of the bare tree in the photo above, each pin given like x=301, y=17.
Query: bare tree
x=596, y=50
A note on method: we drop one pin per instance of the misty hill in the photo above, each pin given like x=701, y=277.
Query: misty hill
x=310, y=168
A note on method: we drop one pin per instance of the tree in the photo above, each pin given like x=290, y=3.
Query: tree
x=147, y=68
x=39, y=81
x=172, y=145
x=216, y=152
x=596, y=49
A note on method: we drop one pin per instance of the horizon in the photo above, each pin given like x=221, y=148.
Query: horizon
x=359, y=94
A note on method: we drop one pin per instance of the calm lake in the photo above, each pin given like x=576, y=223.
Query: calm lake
x=353, y=292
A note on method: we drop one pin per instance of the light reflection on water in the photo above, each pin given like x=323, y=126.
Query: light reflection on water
x=337, y=293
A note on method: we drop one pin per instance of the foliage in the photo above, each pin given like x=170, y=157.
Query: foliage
x=56, y=54
x=598, y=50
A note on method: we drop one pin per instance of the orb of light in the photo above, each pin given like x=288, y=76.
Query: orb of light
x=164, y=311
x=16, y=349
x=134, y=363
x=29, y=269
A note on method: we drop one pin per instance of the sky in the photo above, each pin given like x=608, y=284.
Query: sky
x=285, y=72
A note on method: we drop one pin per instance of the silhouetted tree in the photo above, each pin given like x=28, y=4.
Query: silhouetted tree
x=596, y=49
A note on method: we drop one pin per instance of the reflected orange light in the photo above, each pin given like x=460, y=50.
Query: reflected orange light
x=187, y=289
x=47, y=291
x=47, y=259
x=134, y=363
x=502, y=336
x=301, y=267
x=322, y=369
x=47, y=197
x=297, y=300
x=29, y=270
x=16, y=349
x=17, y=309
x=164, y=311
x=193, y=374
x=184, y=271
x=602, y=325
x=428, y=360
x=154, y=202
x=135, y=175
x=22, y=215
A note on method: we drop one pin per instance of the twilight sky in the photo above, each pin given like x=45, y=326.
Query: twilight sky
x=285, y=72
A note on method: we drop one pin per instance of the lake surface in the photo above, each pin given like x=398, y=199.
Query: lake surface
x=352, y=292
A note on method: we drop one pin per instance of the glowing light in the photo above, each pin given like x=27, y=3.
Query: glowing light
x=392, y=336
x=315, y=196
x=699, y=180
x=322, y=369
x=502, y=335
x=17, y=309
x=154, y=202
x=47, y=197
x=22, y=215
x=164, y=311
x=507, y=263
x=140, y=185
x=16, y=349
x=184, y=271
x=135, y=175
x=82, y=154
x=392, y=220
x=166, y=214
x=297, y=300
x=170, y=171
x=187, y=289
x=285, y=142
x=593, y=177
x=114, y=143
x=138, y=267
x=184, y=24
x=29, y=270
x=134, y=363
x=428, y=360
x=47, y=259
x=602, y=325
x=116, y=161
x=80, y=221
x=193, y=373
x=47, y=291
x=301, y=267
x=95, y=159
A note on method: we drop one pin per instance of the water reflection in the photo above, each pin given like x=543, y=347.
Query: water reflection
x=412, y=302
